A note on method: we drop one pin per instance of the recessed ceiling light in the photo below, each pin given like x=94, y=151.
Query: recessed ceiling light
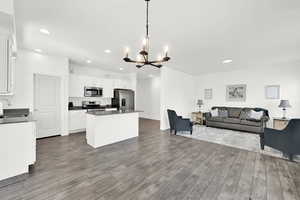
x=44, y=31
x=88, y=61
x=107, y=51
x=227, y=61
x=121, y=68
x=150, y=75
x=38, y=50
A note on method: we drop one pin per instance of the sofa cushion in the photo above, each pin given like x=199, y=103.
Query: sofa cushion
x=234, y=112
x=256, y=115
x=232, y=120
x=215, y=112
x=223, y=113
x=251, y=122
x=245, y=114
x=217, y=119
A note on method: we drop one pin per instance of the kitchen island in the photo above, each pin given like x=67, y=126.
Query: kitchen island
x=108, y=127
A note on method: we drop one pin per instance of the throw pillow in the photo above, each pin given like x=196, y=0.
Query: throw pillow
x=214, y=112
x=256, y=115
x=245, y=114
x=223, y=113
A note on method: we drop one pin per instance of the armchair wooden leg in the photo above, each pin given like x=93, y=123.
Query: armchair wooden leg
x=191, y=132
x=175, y=132
x=262, y=142
x=291, y=157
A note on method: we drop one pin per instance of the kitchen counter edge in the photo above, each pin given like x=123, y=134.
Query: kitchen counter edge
x=104, y=113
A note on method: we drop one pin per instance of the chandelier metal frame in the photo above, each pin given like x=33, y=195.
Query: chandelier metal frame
x=143, y=57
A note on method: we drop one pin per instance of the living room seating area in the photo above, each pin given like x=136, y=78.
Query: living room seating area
x=242, y=119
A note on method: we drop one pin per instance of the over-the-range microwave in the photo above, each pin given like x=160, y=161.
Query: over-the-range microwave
x=93, y=92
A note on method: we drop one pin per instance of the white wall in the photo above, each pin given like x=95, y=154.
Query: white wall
x=148, y=97
x=178, y=92
x=30, y=63
x=256, y=79
x=7, y=6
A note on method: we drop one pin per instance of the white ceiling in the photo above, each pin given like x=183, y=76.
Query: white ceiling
x=200, y=33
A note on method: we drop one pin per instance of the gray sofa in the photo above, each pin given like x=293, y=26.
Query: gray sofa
x=238, y=119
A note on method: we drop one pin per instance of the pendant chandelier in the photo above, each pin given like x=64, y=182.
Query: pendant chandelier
x=143, y=56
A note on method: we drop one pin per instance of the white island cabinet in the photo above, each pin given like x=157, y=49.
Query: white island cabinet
x=108, y=127
x=17, y=147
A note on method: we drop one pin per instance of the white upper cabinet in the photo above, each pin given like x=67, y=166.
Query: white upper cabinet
x=77, y=84
x=121, y=84
x=5, y=66
x=108, y=89
x=7, y=44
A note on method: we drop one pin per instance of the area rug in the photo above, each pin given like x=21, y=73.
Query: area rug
x=236, y=139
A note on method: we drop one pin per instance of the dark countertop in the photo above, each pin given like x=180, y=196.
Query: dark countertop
x=103, y=113
x=14, y=120
x=81, y=108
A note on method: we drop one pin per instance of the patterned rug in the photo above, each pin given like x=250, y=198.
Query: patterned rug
x=237, y=139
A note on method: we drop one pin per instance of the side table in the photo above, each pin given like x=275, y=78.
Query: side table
x=280, y=123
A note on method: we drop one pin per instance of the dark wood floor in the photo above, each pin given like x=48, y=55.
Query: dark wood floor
x=154, y=166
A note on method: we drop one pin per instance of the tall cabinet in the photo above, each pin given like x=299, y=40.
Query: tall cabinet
x=5, y=66
x=7, y=47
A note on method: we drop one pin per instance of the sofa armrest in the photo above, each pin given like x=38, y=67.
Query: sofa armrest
x=207, y=115
x=265, y=119
x=274, y=133
x=275, y=138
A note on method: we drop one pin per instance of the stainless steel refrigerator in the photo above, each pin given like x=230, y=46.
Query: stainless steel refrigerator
x=123, y=99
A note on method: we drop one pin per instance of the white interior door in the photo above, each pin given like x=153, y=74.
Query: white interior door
x=47, y=105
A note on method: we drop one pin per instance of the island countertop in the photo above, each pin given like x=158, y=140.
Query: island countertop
x=114, y=112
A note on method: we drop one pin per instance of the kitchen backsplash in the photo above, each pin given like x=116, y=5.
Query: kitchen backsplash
x=77, y=101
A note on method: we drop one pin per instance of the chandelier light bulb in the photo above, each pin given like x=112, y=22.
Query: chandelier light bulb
x=166, y=51
x=159, y=57
x=127, y=52
x=139, y=58
x=144, y=41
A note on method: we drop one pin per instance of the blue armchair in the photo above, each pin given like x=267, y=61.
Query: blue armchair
x=177, y=123
x=286, y=140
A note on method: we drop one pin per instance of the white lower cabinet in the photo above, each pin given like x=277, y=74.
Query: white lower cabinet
x=17, y=148
x=77, y=121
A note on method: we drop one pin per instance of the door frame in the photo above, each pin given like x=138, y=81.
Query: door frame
x=59, y=106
